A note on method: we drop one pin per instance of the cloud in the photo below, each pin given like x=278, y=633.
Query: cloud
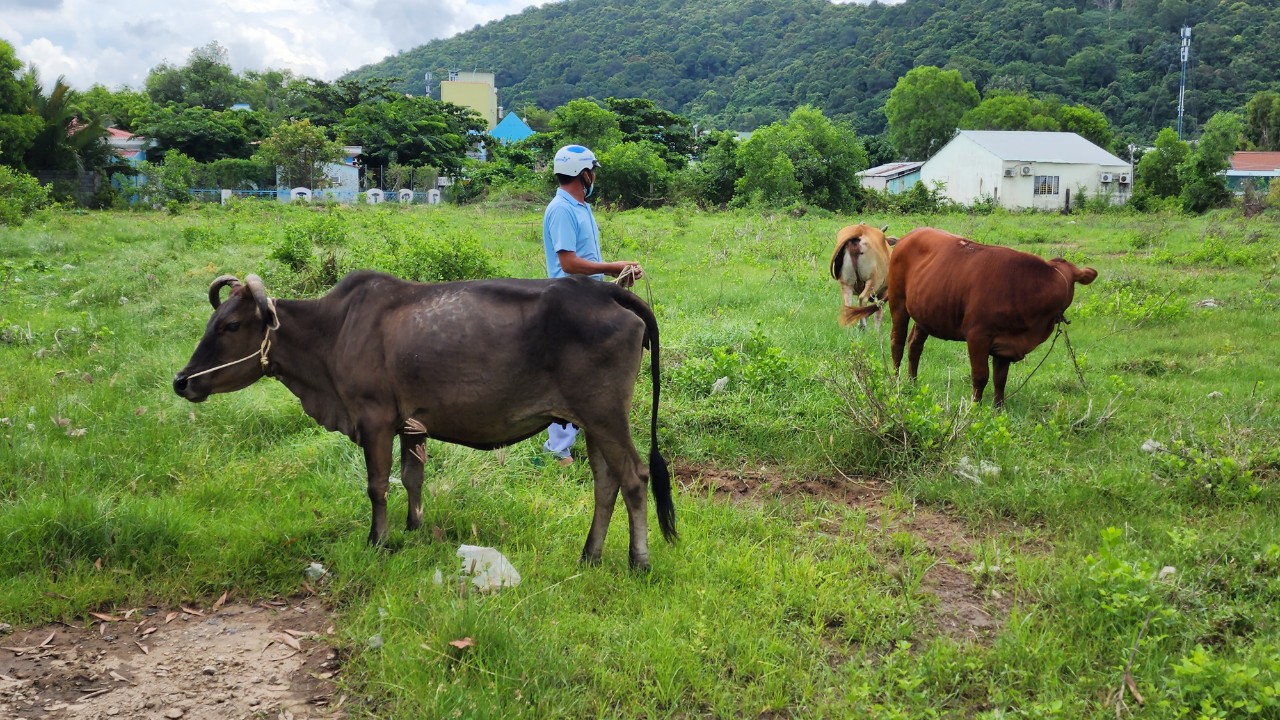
x=320, y=38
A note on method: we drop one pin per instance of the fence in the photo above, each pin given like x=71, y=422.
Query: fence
x=346, y=197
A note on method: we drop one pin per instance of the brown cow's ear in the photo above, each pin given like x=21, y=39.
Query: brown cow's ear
x=1084, y=276
x=891, y=240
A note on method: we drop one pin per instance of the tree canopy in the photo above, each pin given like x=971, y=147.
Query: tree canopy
x=925, y=108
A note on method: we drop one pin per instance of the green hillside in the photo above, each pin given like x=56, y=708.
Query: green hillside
x=743, y=63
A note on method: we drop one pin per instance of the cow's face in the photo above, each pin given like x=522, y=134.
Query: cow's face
x=232, y=338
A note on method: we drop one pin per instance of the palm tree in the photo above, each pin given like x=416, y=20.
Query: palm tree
x=64, y=143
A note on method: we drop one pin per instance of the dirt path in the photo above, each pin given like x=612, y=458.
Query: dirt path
x=264, y=660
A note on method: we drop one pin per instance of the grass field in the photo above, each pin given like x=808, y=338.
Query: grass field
x=850, y=547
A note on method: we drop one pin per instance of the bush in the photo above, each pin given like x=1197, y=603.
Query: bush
x=20, y=196
x=903, y=423
x=429, y=259
x=634, y=175
x=753, y=364
x=1208, y=686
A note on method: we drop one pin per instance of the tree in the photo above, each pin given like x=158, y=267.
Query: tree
x=1262, y=121
x=1158, y=170
x=200, y=133
x=327, y=104
x=413, y=131
x=807, y=158
x=713, y=176
x=1203, y=185
x=18, y=126
x=1087, y=123
x=586, y=123
x=999, y=111
x=300, y=150
x=635, y=174
x=64, y=143
x=205, y=81
x=114, y=108
x=924, y=109
x=641, y=120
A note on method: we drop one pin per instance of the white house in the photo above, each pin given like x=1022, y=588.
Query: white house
x=1020, y=169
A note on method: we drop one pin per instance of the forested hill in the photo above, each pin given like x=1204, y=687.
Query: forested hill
x=741, y=63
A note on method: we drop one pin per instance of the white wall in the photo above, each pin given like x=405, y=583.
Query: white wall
x=968, y=171
x=972, y=172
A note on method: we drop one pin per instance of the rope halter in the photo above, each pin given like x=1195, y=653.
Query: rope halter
x=262, y=349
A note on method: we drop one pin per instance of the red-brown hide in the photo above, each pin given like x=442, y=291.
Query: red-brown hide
x=1001, y=302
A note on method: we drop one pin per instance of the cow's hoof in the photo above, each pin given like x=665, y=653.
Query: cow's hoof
x=640, y=564
x=589, y=559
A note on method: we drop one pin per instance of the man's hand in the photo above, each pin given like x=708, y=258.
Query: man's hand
x=629, y=274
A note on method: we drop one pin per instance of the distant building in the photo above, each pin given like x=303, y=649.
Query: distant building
x=473, y=90
x=1260, y=167
x=241, y=106
x=342, y=178
x=511, y=129
x=126, y=145
x=892, y=177
x=1026, y=170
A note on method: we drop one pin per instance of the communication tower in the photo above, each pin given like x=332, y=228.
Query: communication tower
x=1182, y=84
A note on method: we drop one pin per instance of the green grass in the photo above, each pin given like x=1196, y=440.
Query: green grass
x=115, y=492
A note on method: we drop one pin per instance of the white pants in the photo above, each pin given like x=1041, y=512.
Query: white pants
x=560, y=439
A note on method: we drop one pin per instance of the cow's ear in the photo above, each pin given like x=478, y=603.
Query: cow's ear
x=891, y=240
x=1084, y=276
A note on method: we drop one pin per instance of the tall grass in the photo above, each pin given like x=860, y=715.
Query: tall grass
x=114, y=492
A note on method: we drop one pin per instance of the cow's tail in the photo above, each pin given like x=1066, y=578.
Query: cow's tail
x=851, y=315
x=659, y=476
x=838, y=257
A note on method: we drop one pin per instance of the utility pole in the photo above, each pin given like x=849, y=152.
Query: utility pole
x=1182, y=84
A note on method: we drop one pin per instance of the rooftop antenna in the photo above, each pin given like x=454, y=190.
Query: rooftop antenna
x=1182, y=84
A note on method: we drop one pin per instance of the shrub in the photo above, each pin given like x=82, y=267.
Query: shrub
x=754, y=363
x=20, y=196
x=635, y=175
x=429, y=259
x=1209, y=686
x=905, y=425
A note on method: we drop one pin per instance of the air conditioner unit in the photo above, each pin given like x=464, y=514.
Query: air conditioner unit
x=1009, y=172
x=1024, y=170
x=1106, y=177
x=1124, y=178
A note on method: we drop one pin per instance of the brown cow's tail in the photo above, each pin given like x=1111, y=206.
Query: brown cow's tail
x=659, y=476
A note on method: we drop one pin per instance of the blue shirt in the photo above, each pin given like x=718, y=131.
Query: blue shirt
x=569, y=225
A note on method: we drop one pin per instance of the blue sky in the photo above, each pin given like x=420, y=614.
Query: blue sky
x=116, y=44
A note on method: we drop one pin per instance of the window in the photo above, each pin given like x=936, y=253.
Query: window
x=1046, y=185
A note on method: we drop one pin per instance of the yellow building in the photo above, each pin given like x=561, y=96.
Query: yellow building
x=473, y=90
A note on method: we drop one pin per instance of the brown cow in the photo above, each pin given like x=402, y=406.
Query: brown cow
x=861, y=264
x=1003, y=303
x=484, y=363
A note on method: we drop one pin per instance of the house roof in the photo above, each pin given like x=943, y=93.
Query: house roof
x=115, y=132
x=511, y=129
x=1262, y=161
x=1029, y=146
x=891, y=171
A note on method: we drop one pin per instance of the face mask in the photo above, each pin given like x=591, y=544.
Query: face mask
x=590, y=187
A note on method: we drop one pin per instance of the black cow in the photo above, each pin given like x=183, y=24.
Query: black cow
x=483, y=363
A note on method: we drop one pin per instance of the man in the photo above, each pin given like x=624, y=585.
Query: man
x=571, y=240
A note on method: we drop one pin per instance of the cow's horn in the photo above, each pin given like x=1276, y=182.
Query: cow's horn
x=260, y=297
x=215, y=290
